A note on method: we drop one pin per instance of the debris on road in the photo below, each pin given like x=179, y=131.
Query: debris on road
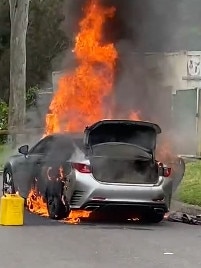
x=184, y=218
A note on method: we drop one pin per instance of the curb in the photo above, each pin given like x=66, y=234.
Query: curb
x=178, y=206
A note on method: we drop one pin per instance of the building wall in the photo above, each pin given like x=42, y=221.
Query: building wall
x=180, y=70
x=174, y=67
x=170, y=72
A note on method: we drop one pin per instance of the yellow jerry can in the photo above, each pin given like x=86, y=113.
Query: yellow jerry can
x=12, y=210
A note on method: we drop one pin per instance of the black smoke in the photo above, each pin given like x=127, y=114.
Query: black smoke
x=142, y=26
x=139, y=26
x=148, y=25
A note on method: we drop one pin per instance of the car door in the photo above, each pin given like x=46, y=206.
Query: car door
x=29, y=169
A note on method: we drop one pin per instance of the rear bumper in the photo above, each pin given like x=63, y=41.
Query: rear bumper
x=91, y=195
x=124, y=207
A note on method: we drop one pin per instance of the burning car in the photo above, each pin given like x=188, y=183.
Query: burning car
x=112, y=168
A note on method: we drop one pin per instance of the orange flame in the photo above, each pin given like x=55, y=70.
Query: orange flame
x=37, y=205
x=82, y=95
x=135, y=116
x=76, y=216
x=79, y=99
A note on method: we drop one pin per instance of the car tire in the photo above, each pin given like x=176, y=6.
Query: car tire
x=56, y=209
x=153, y=217
x=157, y=217
x=8, y=183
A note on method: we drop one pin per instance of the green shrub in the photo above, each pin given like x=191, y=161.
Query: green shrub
x=3, y=115
x=31, y=99
x=31, y=96
x=3, y=119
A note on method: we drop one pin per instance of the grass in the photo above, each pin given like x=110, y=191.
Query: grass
x=5, y=152
x=190, y=189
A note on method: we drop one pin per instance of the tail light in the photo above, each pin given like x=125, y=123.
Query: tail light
x=163, y=170
x=166, y=172
x=82, y=168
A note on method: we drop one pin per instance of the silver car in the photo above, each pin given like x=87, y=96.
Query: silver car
x=111, y=169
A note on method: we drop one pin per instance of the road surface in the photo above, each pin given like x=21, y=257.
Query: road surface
x=45, y=243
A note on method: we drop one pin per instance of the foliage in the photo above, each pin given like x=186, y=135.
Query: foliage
x=45, y=40
x=3, y=119
x=31, y=96
x=190, y=189
x=5, y=151
x=3, y=115
x=31, y=99
x=4, y=49
x=4, y=26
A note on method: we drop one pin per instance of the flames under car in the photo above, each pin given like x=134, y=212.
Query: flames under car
x=111, y=169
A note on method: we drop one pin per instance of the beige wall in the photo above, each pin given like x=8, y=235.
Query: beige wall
x=173, y=72
x=174, y=68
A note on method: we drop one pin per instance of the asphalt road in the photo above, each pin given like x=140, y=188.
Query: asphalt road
x=45, y=243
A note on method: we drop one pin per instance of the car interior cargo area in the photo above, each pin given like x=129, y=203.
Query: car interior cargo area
x=124, y=170
x=122, y=152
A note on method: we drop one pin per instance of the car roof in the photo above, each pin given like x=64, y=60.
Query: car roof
x=66, y=135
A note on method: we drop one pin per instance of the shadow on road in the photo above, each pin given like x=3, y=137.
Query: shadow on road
x=107, y=224
x=35, y=220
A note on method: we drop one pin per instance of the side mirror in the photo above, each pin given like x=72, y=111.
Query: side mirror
x=24, y=149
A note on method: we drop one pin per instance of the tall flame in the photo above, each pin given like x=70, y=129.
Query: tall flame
x=79, y=99
x=80, y=96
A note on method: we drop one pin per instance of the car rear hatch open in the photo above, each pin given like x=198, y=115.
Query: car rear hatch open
x=122, y=151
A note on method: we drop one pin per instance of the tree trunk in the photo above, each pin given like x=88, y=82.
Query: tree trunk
x=17, y=103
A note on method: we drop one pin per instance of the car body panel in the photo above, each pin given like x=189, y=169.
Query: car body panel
x=89, y=190
x=119, y=192
x=138, y=133
x=120, y=150
x=85, y=191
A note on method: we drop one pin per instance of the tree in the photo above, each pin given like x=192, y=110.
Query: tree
x=4, y=49
x=17, y=101
x=4, y=26
x=45, y=40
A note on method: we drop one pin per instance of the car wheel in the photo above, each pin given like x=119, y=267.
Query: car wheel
x=153, y=217
x=8, y=184
x=56, y=209
x=157, y=217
